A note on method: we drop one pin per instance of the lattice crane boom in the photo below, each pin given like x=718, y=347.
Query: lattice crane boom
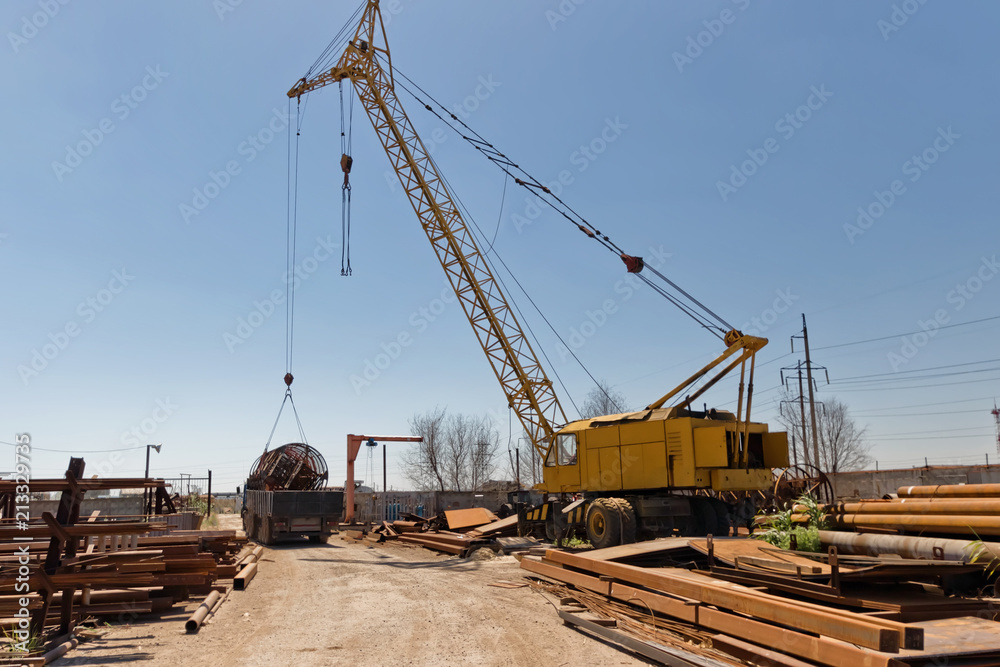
x=529, y=391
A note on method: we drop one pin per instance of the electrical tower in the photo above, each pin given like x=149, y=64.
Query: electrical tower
x=790, y=377
x=996, y=421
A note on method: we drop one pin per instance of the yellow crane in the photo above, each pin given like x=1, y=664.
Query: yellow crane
x=638, y=472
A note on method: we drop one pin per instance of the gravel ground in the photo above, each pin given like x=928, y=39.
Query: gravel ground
x=346, y=603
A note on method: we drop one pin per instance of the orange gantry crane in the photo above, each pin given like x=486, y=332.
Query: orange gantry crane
x=354, y=443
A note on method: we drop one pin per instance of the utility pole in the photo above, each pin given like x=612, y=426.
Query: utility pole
x=802, y=410
x=785, y=380
x=384, y=483
x=812, y=397
x=996, y=418
x=812, y=401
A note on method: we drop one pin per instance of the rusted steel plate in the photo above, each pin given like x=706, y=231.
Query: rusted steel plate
x=469, y=518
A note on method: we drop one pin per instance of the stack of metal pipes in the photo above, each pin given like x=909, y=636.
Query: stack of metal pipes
x=971, y=510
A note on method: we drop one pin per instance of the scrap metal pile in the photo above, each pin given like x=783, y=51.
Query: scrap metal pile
x=482, y=529
x=109, y=568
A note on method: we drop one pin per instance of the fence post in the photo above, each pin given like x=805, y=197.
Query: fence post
x=209, y=512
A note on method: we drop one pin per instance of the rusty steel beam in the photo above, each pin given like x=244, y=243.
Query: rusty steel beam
x=242, y=580
x=950, y=491
x=752, y=653
x=584, y=581
x=878, y=634
x=821, y=650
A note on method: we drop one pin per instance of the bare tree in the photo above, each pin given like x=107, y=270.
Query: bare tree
x=603, y=400
x=842, y=444
x=458, y=452
x=424, y=464
x=460, y=443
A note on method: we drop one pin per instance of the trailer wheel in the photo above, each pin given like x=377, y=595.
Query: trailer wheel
x=604, y=523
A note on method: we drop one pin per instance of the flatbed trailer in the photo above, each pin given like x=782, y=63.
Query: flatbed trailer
x=272, y=516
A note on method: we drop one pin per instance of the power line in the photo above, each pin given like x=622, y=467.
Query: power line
x=907, y=333
x=918, y=377
x=921, y=414
x=76, y=451
x=935, y=437
x=921, y=386
x=925, y=405
x=946, y=430
x=919, y=370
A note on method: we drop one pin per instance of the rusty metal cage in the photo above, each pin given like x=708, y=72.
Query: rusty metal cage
x=294, y=467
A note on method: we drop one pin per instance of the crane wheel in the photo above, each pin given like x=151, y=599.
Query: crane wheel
x=604, y=523
x=704, y=517
x=628, y=520
x=723, y=524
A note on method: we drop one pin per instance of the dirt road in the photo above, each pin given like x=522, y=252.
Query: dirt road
x=352, y=604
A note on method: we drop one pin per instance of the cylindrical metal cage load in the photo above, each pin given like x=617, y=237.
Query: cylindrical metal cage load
x=293, y=467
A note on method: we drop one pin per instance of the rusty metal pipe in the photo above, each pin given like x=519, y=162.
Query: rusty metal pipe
x=950, y=491
x=198, y=617
x=60, y=650
x=907, y=546
x=959, y=507
x=957, y=524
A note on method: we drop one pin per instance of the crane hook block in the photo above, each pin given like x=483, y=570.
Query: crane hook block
x=633, y=264
x=288, y=380
x=345, y=163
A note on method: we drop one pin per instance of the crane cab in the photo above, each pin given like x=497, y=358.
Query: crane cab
x=662, y=449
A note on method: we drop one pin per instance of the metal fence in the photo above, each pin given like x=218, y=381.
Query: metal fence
x=187, y=485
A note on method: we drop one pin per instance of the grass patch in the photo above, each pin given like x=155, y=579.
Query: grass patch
x=781, y=529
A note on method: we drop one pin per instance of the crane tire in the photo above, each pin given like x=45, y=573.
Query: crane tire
x=629, y=526
x=604, y=523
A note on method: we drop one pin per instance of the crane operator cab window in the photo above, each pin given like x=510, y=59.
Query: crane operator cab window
x=564, y=452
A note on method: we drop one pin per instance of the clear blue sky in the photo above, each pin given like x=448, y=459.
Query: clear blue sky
x=118, y=112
